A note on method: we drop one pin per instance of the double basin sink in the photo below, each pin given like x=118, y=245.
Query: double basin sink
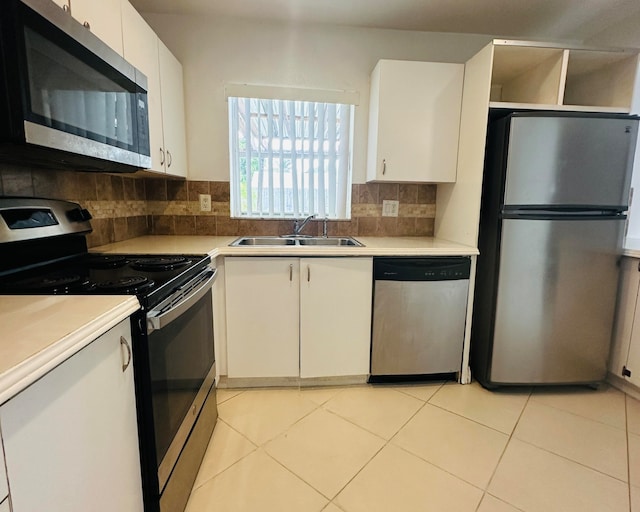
x=270, y=241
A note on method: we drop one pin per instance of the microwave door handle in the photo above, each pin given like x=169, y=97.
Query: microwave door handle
x=161, y=317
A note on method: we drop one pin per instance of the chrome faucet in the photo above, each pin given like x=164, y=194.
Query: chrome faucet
x=298, y=225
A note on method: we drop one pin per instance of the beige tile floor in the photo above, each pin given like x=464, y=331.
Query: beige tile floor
x=433, y=447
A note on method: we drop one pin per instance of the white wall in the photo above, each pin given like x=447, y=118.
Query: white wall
x=215, y=52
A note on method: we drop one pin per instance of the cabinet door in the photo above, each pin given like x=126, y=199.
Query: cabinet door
x=633, y=358
x=335, y=316
x=141, y=50
x=262, y=317
x=624, y=322
x=173, y=121
x=103, y=18
x=70, y=438
x=414, y=121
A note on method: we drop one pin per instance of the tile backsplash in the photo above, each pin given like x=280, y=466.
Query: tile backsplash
x=124, y=206
x=117, y=203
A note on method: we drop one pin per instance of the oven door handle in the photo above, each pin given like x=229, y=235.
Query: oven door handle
x=180, y=301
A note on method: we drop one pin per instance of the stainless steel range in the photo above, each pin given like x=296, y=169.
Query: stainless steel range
x=44, y=251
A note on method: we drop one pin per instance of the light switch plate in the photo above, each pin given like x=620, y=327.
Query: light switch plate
x=390, y=208
x=205, y=202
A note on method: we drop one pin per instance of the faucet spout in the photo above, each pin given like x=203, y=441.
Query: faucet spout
x=299, y=225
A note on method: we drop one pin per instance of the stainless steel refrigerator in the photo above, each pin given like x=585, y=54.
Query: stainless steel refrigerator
x=555, y=193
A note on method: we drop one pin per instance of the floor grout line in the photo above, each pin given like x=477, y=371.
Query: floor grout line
x=387, y=443
x=533, y=397
x=255, y=447
x=626, y=424
x=506, y=447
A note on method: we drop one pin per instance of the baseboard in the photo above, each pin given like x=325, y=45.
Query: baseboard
x=624, y=386
x=342, y=380
x=289, y=382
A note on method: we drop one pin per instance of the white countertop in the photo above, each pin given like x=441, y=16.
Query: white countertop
x=37, y=333
x=219, y=246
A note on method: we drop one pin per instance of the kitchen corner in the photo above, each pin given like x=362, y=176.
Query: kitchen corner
x=251, y=258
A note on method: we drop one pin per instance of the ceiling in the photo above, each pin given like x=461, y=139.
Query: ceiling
x=535, y=19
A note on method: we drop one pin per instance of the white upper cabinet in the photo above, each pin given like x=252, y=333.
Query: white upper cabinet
x=141, y=50
x=540, y=76
x=604, y=79
x=102, y=17
x=62, y=3
x=523, y=74
x=173, y=117
x=414, y=121
x=167, y=128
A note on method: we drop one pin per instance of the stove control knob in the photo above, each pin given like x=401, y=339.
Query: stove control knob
x=79, y=215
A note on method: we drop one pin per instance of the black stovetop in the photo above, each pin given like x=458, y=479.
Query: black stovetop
x=150, y=277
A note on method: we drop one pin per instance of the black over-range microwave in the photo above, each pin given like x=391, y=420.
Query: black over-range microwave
x=67, y=100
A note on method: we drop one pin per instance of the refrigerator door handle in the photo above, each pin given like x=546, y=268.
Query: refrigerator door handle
x=554, y=214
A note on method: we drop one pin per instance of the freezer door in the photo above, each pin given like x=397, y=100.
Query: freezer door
x=569, y=161
x=555, y=302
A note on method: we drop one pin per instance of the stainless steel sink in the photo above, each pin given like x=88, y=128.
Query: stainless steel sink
x=266, y=241
x=262, y=240
x=342, y=242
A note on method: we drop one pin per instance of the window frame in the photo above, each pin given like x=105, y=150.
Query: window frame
x=304, y=204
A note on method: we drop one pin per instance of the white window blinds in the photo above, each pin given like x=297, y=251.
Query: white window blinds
x=290, y=159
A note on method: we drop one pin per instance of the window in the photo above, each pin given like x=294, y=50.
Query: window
x=290, y=159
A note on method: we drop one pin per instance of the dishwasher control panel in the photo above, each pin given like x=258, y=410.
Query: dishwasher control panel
x=440, y=268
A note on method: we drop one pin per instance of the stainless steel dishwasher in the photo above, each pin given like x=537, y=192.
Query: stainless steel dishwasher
x=419, y=312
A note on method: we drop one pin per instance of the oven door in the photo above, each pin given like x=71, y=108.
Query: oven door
x=182, y=365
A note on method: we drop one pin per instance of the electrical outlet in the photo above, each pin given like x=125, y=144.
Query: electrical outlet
x=205, y=202
x=390, y=208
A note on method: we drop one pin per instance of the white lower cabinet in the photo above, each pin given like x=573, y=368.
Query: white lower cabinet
x=70, y=438
x=335, y=316
x=262, y=297
x=298, y=317
x=625, y=352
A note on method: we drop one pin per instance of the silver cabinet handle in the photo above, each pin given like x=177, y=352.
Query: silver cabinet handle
x=125, y=344
x=169, y=158
x=384, y=166
x=86, y=24
x=161, y=156
x=291, y=272
x=65, y=8
x=308, y=273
